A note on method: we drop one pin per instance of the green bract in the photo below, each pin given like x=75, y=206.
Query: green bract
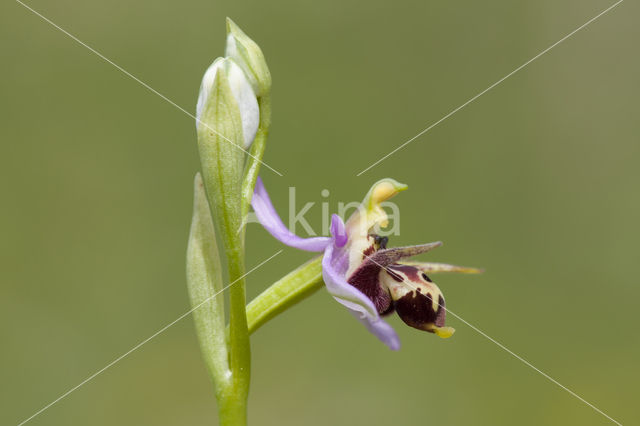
x=204, y=280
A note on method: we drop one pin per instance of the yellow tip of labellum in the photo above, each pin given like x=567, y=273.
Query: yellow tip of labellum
x=444, y=332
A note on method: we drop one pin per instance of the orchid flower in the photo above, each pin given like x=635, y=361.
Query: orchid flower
x=370, y=280
x=365, y=276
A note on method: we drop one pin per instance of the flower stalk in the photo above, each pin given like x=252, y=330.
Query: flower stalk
x=285, y=293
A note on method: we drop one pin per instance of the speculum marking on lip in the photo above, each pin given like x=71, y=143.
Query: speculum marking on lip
x=416, y=310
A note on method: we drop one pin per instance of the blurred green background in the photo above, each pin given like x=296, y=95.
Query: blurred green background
x=536, y=181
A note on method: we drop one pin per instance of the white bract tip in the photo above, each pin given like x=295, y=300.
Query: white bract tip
x=242, y=92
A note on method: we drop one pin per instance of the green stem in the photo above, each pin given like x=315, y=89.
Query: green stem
x=239, y=345
x=232, y=408
x=233, y=401
x=284, y=293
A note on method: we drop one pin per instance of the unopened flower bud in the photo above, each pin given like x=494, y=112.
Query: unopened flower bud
x=249, y=57
x=243, y=94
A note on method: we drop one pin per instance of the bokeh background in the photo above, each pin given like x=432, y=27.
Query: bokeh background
x=536, y=181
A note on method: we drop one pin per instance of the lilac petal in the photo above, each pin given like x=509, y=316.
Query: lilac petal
x=268, y=217
x=355, y=301
x=381, y=330
x=338, y=231
x=334, y=265
x=340, y=289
